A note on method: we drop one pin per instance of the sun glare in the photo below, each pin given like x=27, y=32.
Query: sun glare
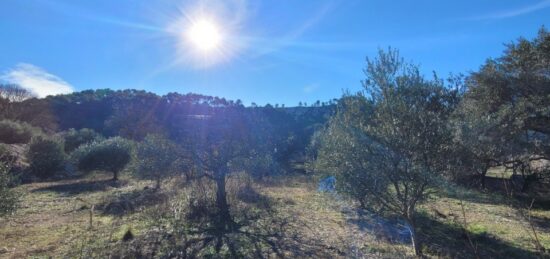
x=204, y=35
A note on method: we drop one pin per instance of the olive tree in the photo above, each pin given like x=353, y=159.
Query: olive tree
x=75, y=138
x=8, y=197
x=46, y=156
x=387, y=146
x=155, y=158
x=504, y=118
x=220, y=141
x=110, y=155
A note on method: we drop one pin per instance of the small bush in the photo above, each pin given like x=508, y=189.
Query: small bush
x=6, y=156
x=12, y=132
x=110, y=155
x=8, y=197
x=155, y=158
x=75, y=138
x=46, y=156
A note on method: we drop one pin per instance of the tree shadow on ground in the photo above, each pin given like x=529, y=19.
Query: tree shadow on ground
x=120, y=204
x=255, y=233
x=501, y=191
x=451, y=240
x=79, y=187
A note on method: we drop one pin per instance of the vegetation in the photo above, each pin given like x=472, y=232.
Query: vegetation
x=8, y=197
x=75, y=138
x=504, y=118
x=156, y=158
x=12, y=132
x=110, y=155
x=455, y=168
x=46, y=156
x=386, y=146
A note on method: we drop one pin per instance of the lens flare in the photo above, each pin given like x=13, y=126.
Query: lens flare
x=204, y=35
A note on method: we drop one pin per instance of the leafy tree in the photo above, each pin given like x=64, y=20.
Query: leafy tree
x=220, y=141
x=8, y=197
x=110, y=155
x=504, y=118
x=14, y=132
x=388, y=145
x=46, y=156
x=135, y=115
x=155, y=158
x=75, y=138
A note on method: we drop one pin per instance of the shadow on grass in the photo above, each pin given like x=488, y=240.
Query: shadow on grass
x=498, y=191
x=128, y=202
x=450, y=240
x=256, y=233
x=79, y=187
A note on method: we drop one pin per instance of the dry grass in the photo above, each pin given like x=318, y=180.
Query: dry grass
x=282, y=217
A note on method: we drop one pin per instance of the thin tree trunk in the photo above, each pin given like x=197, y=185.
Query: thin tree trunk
x=115, y=176
x=224, y=217
x=157, y=186
x=483, y=175
x=414, y=237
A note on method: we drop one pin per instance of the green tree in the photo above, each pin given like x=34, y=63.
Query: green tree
x=75, y=138
x=388, y=145
x=110, y=155
x=8, y=197
x=46, y=156
x=219, y=143
x=155, y=158
x=14, y=132
x=504, y=118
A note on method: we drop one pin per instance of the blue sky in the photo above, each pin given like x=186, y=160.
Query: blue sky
x=273, y=51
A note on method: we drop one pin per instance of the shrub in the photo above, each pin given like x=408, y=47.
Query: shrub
x=6, y=156
x=45, y=156
x=75, y=138
x=8, y=197
x=12, y=132
x=156, y=157
x=110, y=155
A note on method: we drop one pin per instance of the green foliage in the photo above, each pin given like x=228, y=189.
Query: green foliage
x=504, y=117
x=75, y=138
x=5, y=155
x=388, y=147
x=155, y=158
x=110, y=155
x=46, y=156
x=13, y=132
x=8, y=197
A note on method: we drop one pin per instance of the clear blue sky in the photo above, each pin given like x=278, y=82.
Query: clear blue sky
x=273, y=51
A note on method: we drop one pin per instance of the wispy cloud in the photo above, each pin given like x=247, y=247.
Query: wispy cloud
x=36, y=80
x=512, y=12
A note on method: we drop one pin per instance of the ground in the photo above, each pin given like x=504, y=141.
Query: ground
x=292, y=220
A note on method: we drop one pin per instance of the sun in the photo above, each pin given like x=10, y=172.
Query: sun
x=204, y=35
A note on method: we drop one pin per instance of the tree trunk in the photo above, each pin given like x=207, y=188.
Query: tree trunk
x=224, y=217
x=115, y=176
x=157, y=185
x=482, y=175
x=414, y=237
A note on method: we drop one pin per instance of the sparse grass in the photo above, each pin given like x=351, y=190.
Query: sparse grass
x=283, y=216
x=499, y=172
